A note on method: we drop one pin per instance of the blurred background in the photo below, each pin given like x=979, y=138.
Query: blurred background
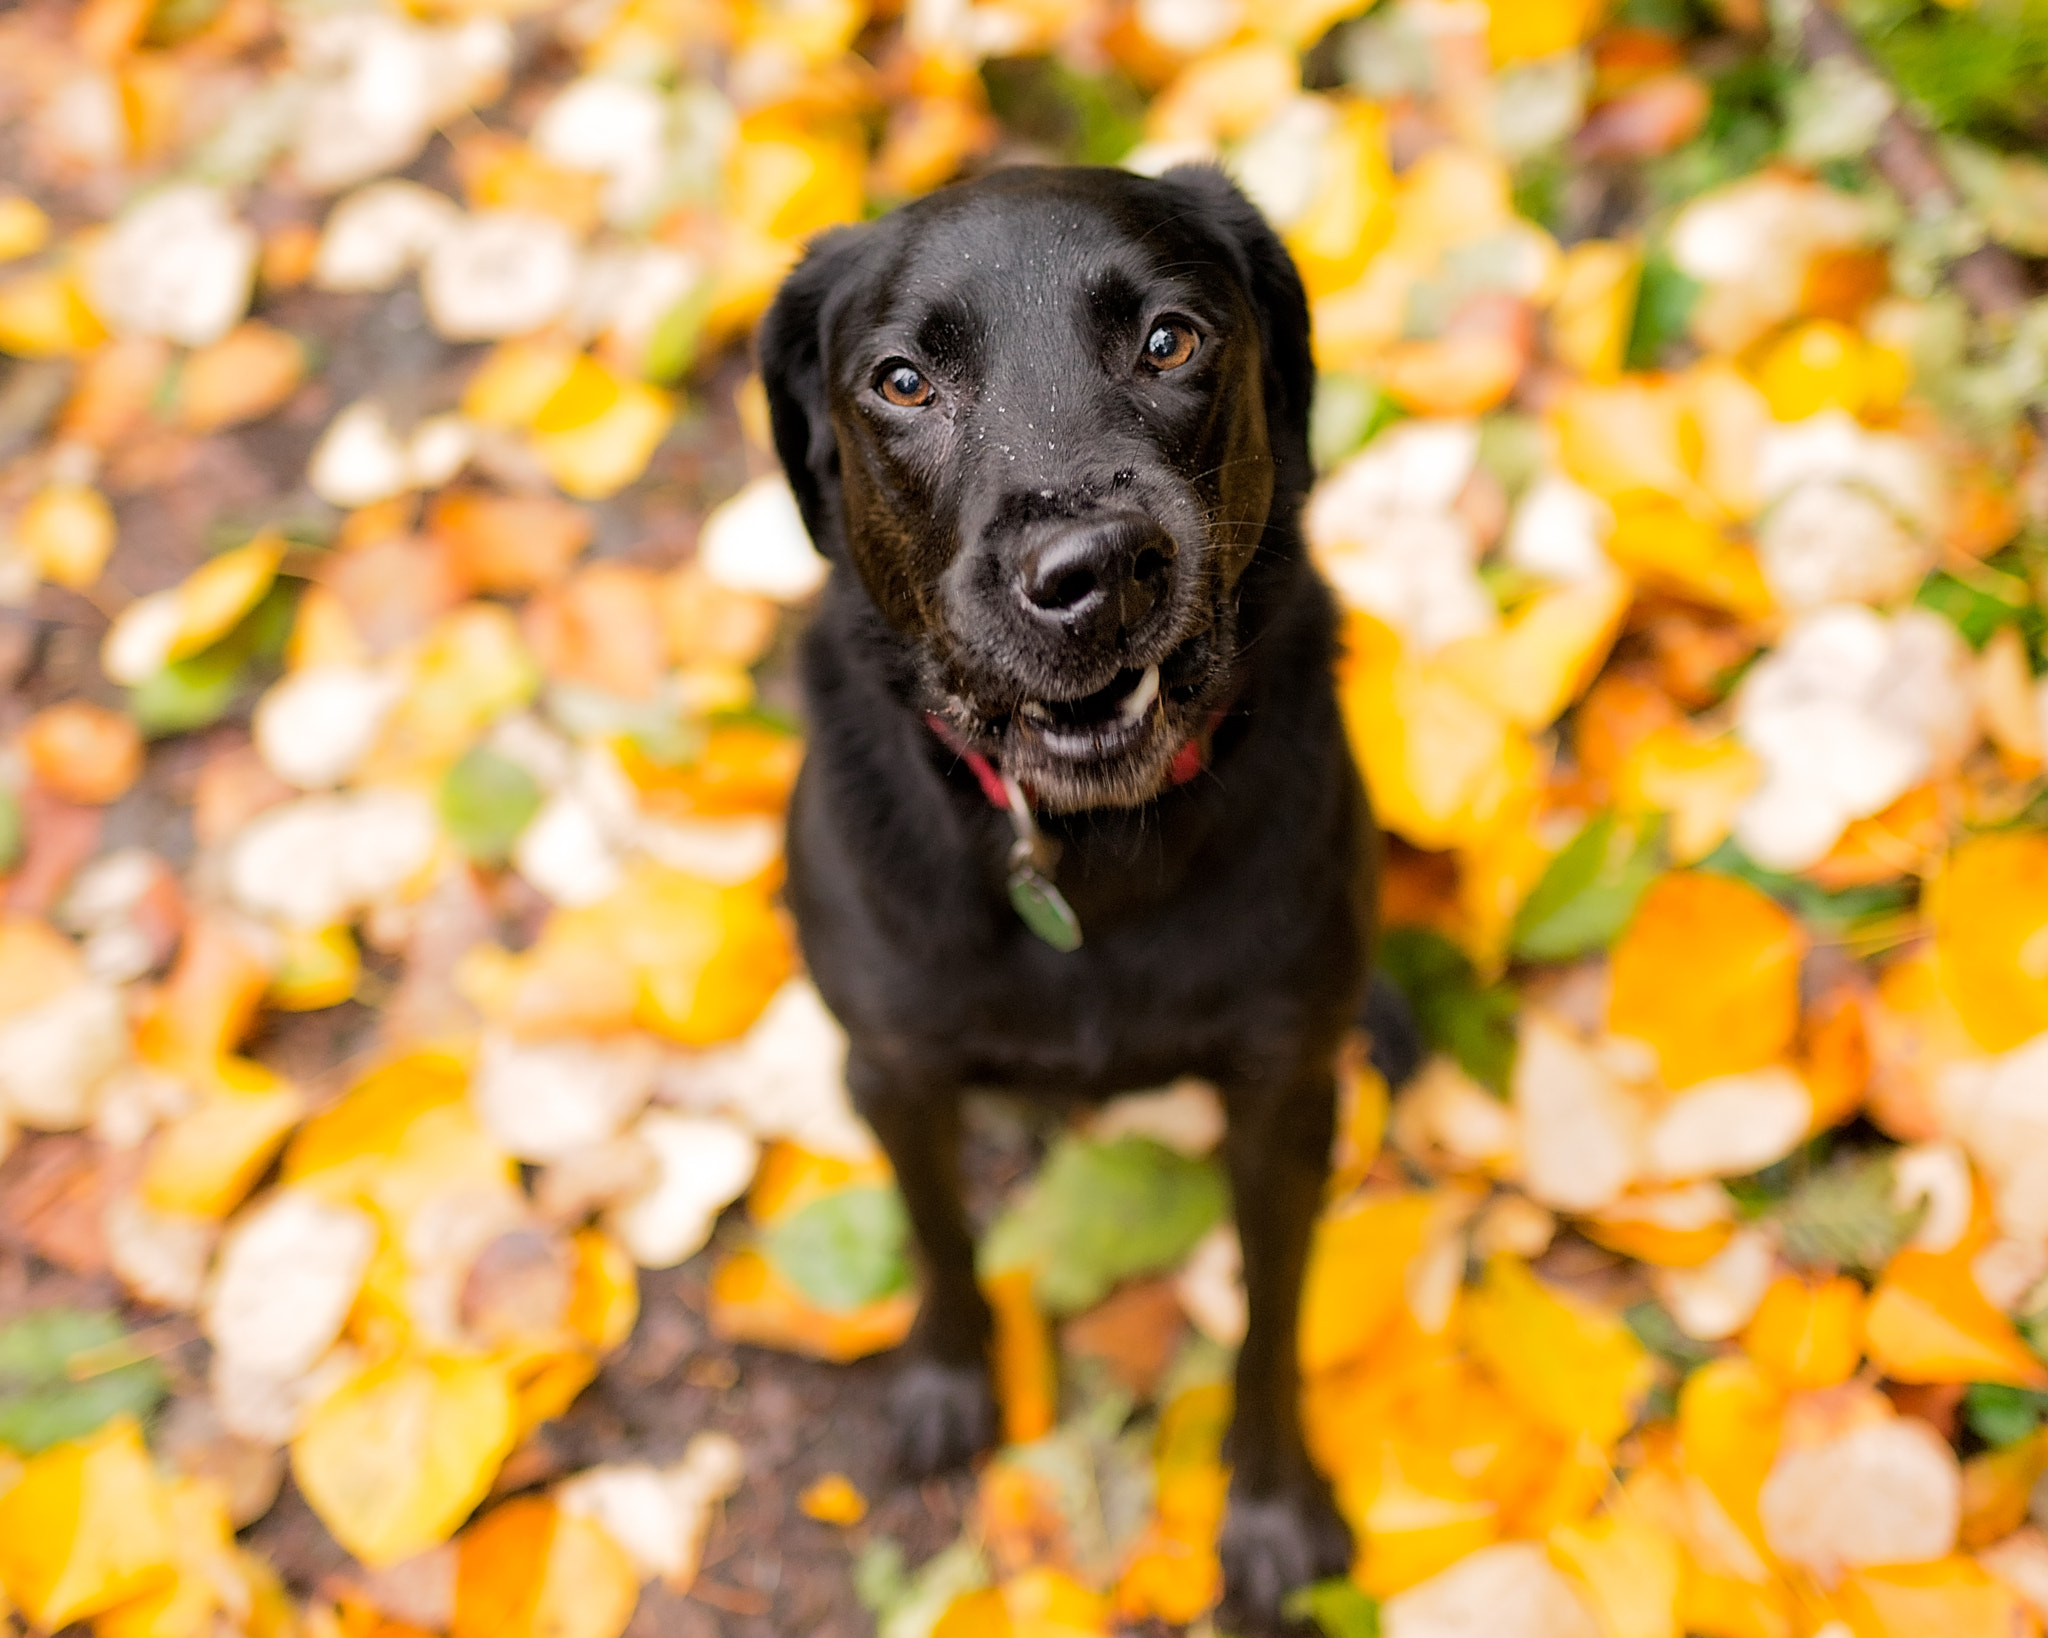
x=429, y=1201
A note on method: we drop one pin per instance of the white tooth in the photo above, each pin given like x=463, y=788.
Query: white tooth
x=1036, y=710
x=1139, y=700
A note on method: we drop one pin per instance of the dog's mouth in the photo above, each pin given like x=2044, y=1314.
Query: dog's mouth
x=1114, y=716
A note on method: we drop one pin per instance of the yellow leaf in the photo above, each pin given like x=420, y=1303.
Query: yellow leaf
x=1572, y=1367
x=708, y=958
x=1627, y=438
x=1953, y=1596
x=1442, y=764
x=24, y=229
x=528, y=1570
x=979, y=1614
x=517, y=380
x=1740, y=952
x=833, y=1500
x=42, y=315
x=1545, y=654
x=604, y=1299
x=1350, y=212
x=1594, y=305
x=1671, y=549
x=601, y=456
x=1044, y=1603
x=790, y=179
x=405, y=1133
x=396, y=1459
x=751, y=1302
x=244, y=375
x=216, y=595
x=1521, y=30
x=1729, y=1416
x=68, y=531
x=1681, y=1227
x=320, y=967
x=1025, y=1372
x=205, y=1161
x=1699, y=780
x=202, y=1545
x=1814, y=366
x=1989, y=908
x=85, y=1526
x=1808, y=1336
x=1357, y=1264
x=1413, y=1515
x=1928, y=1322
x=1630, y=1570
x=1997, y=1485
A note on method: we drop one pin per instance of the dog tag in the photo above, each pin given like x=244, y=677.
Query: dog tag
x=1039, y=904
x=1043, y=908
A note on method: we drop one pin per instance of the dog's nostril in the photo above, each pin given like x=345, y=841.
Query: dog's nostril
x=1150, y=564
x=1073, y=587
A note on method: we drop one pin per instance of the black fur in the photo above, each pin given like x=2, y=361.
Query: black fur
x=1228, y=920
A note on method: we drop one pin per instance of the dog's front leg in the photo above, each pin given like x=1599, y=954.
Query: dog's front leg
x=941, y=1406
x=1282, y=1530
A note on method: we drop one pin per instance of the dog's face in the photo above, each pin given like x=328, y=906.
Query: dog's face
x=1044, y=417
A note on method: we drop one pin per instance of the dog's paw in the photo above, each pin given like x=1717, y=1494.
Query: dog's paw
x=944, y=1415
x=1273, y=1544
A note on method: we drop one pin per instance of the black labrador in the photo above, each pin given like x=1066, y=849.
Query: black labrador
x=1078, y=814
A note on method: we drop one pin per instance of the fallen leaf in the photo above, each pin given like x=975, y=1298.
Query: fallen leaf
x=84, y=1526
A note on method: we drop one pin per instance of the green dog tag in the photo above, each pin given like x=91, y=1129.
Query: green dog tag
x=1043, y=908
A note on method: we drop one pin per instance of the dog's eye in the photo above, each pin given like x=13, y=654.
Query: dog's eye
x=1171, y=344
x=901, y=384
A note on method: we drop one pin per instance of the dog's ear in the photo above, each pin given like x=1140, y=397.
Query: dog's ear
x=1269, y=275
x=791, y=346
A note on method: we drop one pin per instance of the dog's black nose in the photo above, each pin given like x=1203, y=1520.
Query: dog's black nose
x=1097, y=576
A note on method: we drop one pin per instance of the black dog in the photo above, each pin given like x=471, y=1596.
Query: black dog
x=1074, y=681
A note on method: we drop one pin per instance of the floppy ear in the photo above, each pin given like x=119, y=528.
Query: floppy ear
x=1275, y=288
x=791, y=346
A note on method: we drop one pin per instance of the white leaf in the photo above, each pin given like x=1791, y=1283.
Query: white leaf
x=541, y=1100
x=566, y=854
x=288, y=1274
x=756, y=542
x=706, y=1164
x=1729, y=1125
x=177, y=264
x=359, y=459
x=1887, y=1492
x=317, y=861
x=1186, y=1117
x=1505, y=1591
x=378, y=234
x=1580, y=1131
x=616, y=127
x=1210, y=1286
x=54, y=1056
x=499, y=273
x=1718, y=1298
x=317, y=725
x=161, y=1257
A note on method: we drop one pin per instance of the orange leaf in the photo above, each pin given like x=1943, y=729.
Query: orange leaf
x=244, y=375
x=1357, y=1264
x=1989, y=908
x=1928, y=1322
x=508, y=543
x=83, y=753
x=1953, y=1597
x=751, y=1302
x=1740, y=953
x=1026, y=1382
x=1808, y=1336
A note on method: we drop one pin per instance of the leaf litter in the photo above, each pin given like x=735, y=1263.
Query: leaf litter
x=399, y=1032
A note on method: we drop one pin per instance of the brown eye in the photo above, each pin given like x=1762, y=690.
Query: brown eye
x=1170, y=345
x=901, y=384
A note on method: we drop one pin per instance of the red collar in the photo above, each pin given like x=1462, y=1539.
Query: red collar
x=1187, y=762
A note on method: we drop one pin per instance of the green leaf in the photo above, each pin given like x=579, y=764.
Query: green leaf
x=486, y=800
x=1590, y=890
x=1101, y=1213
x=672, y=348
x=1089, y=119
x=1977, y=607
x=1843, y=1217
x=1664, y=302
x=40, y=1402
x=1337, y=1607
x=1472, y=1022
x=13, y=833
x=1657, y=1331
x=845, y=1250
x=1845, y=914
x=202, y=688
x=1347, y=412
x=2001, y=1415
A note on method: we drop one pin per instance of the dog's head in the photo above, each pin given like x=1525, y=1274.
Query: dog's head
x=1049, y=418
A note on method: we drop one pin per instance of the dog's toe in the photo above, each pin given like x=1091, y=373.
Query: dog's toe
x=944, y=1416
x=1273, y=1544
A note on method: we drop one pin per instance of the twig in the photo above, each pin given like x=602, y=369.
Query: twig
x=1990, y=277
